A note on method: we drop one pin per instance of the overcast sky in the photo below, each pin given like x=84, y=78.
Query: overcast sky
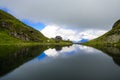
x=71, y=15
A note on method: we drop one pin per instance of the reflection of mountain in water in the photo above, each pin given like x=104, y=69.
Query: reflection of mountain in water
x=11, y=56
x=117, y=60
x=114, y=52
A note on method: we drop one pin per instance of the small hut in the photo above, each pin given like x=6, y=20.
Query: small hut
x=58, y=38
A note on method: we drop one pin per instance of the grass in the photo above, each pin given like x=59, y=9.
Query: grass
x=17, y=29
x=7, y=39
x=107, y=39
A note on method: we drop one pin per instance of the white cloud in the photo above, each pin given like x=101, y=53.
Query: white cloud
x=96, y=14
x=50, y=31
x=91, y=34
x=53, y=30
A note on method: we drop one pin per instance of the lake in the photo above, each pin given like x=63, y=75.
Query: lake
x=76, y=62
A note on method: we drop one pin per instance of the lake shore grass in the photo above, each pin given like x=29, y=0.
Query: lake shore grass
x=34, y=44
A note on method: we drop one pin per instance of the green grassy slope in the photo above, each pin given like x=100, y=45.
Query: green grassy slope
x=111, y=38
x=13, y=30
x=5, y=38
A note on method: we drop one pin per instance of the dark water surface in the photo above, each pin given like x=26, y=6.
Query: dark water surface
x=76, y=62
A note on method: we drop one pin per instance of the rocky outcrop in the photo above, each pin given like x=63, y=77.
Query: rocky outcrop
x=111, y=38
x=19, y=30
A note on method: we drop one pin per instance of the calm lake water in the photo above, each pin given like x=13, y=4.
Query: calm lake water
x=76, y=62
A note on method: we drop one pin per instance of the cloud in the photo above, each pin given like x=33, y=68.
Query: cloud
x=53, y=30
x=78, y=14
x=91, y=34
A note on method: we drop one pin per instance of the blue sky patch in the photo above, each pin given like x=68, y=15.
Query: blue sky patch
x=4, y=9
x=36, y=25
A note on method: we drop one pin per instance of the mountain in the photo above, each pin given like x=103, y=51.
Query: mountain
x=12, y=30
x=83, y=40
x=111, y=38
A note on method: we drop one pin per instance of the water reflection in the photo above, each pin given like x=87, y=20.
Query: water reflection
x=67, y=51
x=114, y=52
x=58, y=48
x=76, y=62
x=12, y=57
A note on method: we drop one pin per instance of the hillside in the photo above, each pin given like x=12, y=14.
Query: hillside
x=13, y=31
x=111, y=38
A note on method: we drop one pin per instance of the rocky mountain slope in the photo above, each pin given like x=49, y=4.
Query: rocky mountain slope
x=111, y=38
x=13, y=30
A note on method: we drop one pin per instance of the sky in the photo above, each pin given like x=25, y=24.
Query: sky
x=71, y=19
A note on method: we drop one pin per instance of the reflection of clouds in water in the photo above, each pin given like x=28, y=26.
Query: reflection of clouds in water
x=87, y=49
x=63, y=52
x=51, y=53
x=69, y=50
x=77, y=66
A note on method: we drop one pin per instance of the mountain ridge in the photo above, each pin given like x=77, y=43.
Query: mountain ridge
x=12, y=29
x=111, y=38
